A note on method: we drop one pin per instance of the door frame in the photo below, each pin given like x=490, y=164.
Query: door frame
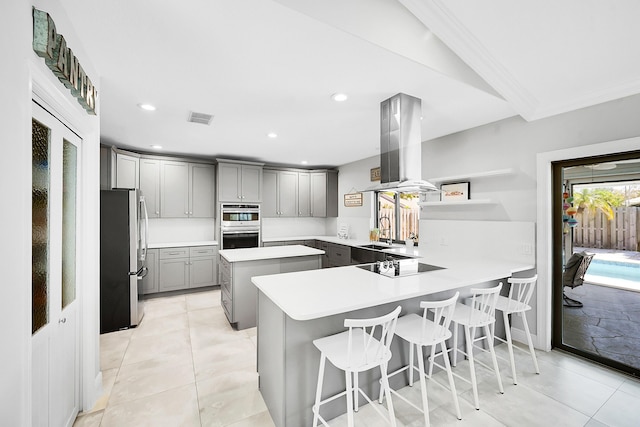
x=47, y=91
x=559, y=245
x=544, y=231
x=51, y=335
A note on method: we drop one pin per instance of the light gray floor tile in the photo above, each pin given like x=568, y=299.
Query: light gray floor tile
x=150, y=377
x=199, y=300
x=568, y=387
x=521, y=406
x=160, y=325
x=176, y=407
x=223, y=409
x=89, y=420
x=632, y=387
x=622, y=410
x=165, y=307
x=262, y=419
x=175, y=344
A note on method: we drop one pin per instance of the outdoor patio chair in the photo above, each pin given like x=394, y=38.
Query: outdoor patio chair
x=573, y=275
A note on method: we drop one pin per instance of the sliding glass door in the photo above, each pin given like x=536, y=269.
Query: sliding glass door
x=597, y=259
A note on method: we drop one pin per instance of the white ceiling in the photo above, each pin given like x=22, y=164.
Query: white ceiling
x=264, y=66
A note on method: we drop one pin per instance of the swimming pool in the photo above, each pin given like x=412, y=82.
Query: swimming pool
x=615, y=269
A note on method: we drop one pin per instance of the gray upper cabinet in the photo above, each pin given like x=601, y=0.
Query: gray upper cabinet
x=201, y=190
x=294, y=193
x=150, y=185
x=187, y=190
x=269, y=207
x=280, y=193
x=324, y=194
x=174, y=189
x=127, y=170
x=304, y=194
x=239, y=182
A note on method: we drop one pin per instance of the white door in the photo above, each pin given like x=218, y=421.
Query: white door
x=55, y=313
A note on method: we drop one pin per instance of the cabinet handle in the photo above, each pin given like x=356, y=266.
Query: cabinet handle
x=157, y=212
x=174, y=253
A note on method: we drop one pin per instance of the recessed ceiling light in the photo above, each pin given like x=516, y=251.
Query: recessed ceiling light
x=147, y=107
x=339, y=97
x=304, y=162
x=156, y=147
x=272, y=135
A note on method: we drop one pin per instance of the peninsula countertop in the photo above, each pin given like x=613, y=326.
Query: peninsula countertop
x=254, y=254
x=314, y=294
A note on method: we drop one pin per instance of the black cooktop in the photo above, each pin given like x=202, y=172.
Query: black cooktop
x=408, y=271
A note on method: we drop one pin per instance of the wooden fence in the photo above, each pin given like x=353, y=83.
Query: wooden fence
x=594, y=230
x=409, y=222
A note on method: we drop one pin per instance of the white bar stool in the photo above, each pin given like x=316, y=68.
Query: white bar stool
x=518, y=300
x=480, y=314
x=354, y=351
x=423, y=332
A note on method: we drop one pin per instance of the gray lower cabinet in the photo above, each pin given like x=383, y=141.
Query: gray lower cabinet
x=150, y=281
x=203, y=266
x=186, y=267
x=239, y=295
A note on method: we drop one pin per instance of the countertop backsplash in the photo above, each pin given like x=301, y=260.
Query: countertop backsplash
x=286, y=227
x=168, y=230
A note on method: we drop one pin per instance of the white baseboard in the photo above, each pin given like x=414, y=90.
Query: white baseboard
x=90, y=397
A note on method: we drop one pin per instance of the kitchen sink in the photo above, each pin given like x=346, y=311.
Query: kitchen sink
x=377, y=246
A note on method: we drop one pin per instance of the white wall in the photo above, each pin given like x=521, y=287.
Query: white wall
x=15, y=215
x=353, y=177
x=22, y=72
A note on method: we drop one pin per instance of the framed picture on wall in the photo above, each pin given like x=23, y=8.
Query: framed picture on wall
x=454, y=192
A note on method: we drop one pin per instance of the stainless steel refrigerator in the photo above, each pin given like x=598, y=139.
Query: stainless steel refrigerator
x=123, y=249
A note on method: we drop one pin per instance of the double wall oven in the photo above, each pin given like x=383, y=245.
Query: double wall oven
x=239, y=226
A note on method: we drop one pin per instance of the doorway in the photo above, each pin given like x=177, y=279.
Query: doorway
x=55, y=307
x=596, y=259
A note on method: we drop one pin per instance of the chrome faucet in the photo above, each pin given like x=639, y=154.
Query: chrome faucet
x=388, y=230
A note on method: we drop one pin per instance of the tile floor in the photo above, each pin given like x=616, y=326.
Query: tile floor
x=185, y=366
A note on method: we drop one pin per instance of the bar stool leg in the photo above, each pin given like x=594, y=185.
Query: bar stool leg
x=316, y=408
x=432, y=357
x=355, y=391
x=387, y=392
x=452, y=384
x=530, y=341
x=507, y=329
x=411, y=365
x=493, y=358
x=454, y=362
x=472, y=366
x=423, y=387
x=347, y=376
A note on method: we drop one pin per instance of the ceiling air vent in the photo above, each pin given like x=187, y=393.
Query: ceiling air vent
x=202, y=118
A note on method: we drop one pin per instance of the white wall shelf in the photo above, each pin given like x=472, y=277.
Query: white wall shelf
x=486, y=174
x=458, y=203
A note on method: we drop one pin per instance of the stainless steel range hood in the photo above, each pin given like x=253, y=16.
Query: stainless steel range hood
x=400, y=146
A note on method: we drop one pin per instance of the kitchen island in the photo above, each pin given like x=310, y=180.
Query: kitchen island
x=296, y=308
x=237, y=266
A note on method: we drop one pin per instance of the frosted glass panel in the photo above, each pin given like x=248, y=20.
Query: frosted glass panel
x=40, y=226
x=69, y=185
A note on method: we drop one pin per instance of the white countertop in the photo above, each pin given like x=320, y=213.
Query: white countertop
x=396, y=248
x=254, y=254
x=182, y=244
x=314, y=294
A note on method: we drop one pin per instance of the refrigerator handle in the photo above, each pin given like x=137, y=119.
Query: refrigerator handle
x=145, y=247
